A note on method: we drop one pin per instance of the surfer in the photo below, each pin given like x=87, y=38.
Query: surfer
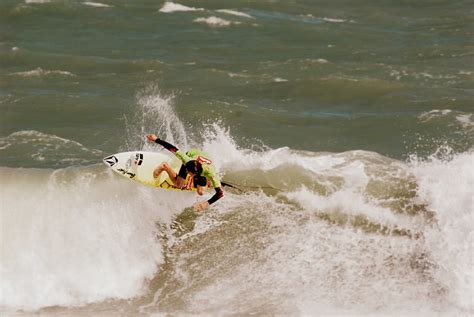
x=196, y=165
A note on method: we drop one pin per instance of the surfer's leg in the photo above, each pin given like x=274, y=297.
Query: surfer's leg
x=180, y=180
x=164, y=167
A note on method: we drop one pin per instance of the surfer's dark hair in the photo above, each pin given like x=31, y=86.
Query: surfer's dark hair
x=194, y=167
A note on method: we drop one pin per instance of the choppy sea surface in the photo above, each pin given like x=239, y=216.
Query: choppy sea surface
x=348, y=127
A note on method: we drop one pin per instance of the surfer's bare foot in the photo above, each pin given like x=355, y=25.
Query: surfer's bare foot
x=157, y=172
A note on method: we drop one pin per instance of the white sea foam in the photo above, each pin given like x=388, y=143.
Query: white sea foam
x=428, y=115
x=37, y=1
x=97, y=4
x=236, y=13
x=431, y=76
x=334, y=20
x=312, y=266
x=218, y=140
x=447, y=187
x=307, y=266
x=213, y=21
x=466, y=120
x=238, y=75
x=39, y=72
x=459, y=118
x=444, y=186
x=322, y=61
x=349, y=203
x=77, y=237
x=170, y=7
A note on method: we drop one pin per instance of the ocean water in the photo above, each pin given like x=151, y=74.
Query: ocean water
x=347, y=127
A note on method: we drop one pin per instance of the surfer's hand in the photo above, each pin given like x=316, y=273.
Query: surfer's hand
x=201, y=206
x=152, y=137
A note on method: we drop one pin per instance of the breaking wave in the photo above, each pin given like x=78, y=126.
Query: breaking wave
x=299, y=232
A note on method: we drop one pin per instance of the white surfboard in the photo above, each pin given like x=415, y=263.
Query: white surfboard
x=139, y=166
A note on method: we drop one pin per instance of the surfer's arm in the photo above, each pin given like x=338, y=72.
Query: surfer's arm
x=170, y=147
x=216, y=184
x=166, y=145
x=218, y=195
x=204, y=204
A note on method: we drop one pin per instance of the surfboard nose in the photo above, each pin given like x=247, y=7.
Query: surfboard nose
x=110, y=160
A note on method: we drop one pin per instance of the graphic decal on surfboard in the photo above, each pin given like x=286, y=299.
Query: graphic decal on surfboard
x=110, y=160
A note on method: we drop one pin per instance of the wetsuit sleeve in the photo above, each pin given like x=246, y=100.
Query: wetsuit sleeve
x=166, y=145
x=218, y=195
x=173, y=149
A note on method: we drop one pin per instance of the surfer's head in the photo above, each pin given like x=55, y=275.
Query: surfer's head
x=194, y=167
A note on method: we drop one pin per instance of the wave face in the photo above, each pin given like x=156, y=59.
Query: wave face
x=303, y=233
